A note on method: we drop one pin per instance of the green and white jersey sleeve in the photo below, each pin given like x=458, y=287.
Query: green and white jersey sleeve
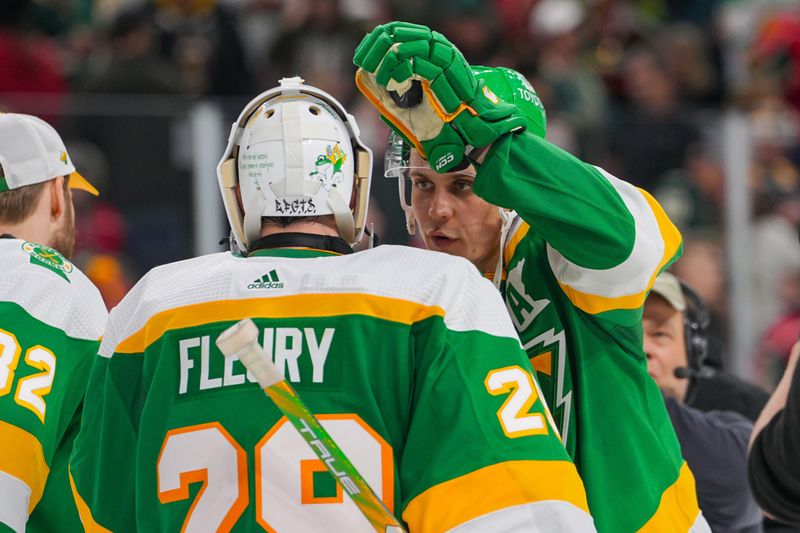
x=407, y=357
x=578, y=264
x=51, y=319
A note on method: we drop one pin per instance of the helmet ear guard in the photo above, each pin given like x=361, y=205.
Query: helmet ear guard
x=295, y=182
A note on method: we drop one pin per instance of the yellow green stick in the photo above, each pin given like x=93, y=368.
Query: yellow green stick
x=241, y=341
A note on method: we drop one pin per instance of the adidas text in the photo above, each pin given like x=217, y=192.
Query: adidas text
x=270, y=280
x=266, y=285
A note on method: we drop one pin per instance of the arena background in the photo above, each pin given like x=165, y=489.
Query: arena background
x=695, y=101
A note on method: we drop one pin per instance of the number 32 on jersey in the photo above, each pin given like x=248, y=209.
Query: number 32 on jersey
x=32, y=389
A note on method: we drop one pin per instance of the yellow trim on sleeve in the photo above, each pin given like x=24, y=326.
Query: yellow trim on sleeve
x=594, y=304
x=88, y=521
x=492, y=488
x=678, y=509
x=22, y=457
x=292, y=306
x=513, y=242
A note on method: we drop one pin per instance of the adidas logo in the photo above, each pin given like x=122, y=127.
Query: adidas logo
x=269, y=280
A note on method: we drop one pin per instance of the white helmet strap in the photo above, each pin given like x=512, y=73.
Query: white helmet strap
x=342, y=215
x=252, y=215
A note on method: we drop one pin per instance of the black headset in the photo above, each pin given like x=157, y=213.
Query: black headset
x=696, y=319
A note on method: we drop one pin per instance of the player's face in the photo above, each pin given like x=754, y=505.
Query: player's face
x=664, y=345
x=451, y=218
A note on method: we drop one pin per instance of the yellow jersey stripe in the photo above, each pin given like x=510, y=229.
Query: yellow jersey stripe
x=88, y=521
x=594, y=304
x=513, y=242
x=446, y=505
x=292, y=306
x=678, y=509
x=21, y=456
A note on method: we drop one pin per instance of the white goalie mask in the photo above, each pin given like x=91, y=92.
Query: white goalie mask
x=295, y=152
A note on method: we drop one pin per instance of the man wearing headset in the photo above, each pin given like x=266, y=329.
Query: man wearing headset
x=714, y=443
x=695, y=375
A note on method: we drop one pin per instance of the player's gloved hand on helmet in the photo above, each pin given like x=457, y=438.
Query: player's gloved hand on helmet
x=424, y=89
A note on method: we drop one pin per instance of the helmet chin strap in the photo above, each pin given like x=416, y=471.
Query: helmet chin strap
x=508, y=220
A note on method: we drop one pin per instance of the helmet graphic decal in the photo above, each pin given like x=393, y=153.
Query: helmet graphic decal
x=329, y=167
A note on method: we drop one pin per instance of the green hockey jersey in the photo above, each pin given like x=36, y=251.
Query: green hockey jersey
x=578, y=262
x=51, y=319
x=407, y=357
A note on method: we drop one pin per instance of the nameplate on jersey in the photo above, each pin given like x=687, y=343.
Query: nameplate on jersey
x=303, y=354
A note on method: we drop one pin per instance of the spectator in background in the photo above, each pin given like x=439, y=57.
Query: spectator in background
x=702, y=267
x=652, y=134
x=317, y=40
x=714, y=442
x=693, y=196
x=145, y=182
x=775, y=184
x=691, y=55
x=775, y=346
x=201, y=39
x=29, y=61
x=775, y=50
x=573, y=92
x=135, y=66
x=775, y=447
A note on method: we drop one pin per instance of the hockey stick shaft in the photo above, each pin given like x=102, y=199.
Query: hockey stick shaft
x=241, y=340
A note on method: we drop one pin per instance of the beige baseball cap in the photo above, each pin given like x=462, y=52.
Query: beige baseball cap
x=668, y=287
x=31, y=151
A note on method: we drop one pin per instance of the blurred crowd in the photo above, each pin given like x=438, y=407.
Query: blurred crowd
x=636, y=86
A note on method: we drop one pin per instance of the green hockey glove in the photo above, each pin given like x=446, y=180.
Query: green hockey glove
x=425, y=91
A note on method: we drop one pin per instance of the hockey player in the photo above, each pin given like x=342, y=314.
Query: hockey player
x=574, y=260
x=406, y=356
x=51, y=319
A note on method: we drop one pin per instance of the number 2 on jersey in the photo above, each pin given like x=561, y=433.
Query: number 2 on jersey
x=522, y=392
x=32, y=389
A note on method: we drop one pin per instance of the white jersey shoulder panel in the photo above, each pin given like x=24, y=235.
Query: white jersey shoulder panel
x=419, y=276
x=73, y=305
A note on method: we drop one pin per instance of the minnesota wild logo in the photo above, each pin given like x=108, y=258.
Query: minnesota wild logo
x=329, y=167
x=48, y=258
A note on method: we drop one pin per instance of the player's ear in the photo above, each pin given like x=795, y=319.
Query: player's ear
x=58, y=200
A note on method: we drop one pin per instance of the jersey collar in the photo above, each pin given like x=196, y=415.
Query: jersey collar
x=299, y=245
